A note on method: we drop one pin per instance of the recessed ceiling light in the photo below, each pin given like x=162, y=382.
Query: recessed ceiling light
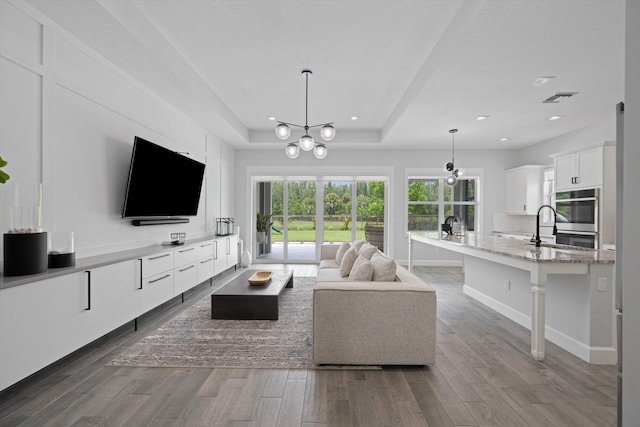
x=503, y=139
x=555, y=117
x=272, y=118
x=542, y=80
x=482, y=117
x=355, y=117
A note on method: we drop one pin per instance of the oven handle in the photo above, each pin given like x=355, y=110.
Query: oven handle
x=581, y=233
x=584, y=199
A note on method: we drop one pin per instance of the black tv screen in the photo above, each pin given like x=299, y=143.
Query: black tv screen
x=162, y=183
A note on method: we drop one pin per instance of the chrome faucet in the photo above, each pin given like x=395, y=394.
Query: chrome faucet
x=536, y=238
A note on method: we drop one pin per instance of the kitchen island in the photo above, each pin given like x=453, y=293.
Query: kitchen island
x=559, y=292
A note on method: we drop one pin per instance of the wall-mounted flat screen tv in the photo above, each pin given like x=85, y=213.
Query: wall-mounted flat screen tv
x=162, y=183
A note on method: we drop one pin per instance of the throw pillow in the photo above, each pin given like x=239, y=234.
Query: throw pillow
x=384, y=268
x=367, y=250
x=362, y=269
x=357, y=244
x=347, y=262
x=341, y=251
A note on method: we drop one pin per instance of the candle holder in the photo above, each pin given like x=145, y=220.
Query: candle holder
x=61, y=250
x=25, y=244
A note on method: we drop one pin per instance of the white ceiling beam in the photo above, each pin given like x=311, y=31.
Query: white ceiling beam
x=134, y=21
x=460, y=22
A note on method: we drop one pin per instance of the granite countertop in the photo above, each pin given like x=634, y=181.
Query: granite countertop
x=520, y=249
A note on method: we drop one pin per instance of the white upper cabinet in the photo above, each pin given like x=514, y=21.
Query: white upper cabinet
x=581, y=169
x=523, y=190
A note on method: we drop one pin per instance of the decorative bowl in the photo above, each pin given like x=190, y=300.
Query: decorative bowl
x=260, y=278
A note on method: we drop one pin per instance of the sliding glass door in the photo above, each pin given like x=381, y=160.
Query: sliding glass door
x=291, y=232
x=294, y=217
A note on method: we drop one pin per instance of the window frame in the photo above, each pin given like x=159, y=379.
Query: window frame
x=440, y=175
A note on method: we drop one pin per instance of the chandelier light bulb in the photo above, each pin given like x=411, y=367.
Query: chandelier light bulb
x=459, y=172
x=306, y=143
x=320, y=151
x=292, y=150
x=448, y=167
x=283, y=131
x=327, y=132
x=451, y=180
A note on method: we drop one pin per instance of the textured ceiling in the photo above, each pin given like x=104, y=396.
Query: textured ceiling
x=411, y=70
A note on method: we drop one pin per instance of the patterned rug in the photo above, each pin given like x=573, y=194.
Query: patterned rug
x=193, y=339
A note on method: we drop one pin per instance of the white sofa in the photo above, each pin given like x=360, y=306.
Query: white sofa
x=372, y=322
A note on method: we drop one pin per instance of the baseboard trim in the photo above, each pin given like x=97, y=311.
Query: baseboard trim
x=594, y=355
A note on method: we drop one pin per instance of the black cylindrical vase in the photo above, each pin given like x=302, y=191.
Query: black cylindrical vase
x=25, y=253
x=62, y=260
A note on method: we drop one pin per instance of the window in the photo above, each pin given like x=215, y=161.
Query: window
x=548, y=195
x=305, y=213
x=431, y=200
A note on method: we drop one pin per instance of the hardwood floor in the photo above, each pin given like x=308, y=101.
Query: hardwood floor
x=484, y=376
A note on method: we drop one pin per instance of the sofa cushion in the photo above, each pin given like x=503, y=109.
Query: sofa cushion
x=328, y=263
x=384, y=268
x=367, y=250
x=341, y=251
x=361, y=270
x=347, y=261
x=357, y=244
x=330, y=275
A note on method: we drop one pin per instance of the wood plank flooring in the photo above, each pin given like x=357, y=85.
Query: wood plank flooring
x=484, y=376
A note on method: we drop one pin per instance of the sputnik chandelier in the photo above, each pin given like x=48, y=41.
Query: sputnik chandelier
x=306, y=142
x=449, y=167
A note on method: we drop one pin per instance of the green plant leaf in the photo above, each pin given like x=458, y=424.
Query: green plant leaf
x=3, y=176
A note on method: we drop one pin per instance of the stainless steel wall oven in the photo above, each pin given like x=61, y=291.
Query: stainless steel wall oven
x=577, y=218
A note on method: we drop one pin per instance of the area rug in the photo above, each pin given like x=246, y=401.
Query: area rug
x=193, y=339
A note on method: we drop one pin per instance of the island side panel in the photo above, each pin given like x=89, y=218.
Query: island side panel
x=579, y=318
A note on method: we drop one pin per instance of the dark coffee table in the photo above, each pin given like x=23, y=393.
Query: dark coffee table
x=239, y=300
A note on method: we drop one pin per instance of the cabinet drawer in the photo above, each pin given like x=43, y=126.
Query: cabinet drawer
x=205, y=269
x=185, y=278
x=155, y=264
x=205, y=250
x=157, y=290
x=185, y=255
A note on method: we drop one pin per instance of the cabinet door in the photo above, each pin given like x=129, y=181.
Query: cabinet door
x=232, y=251
x=41, y=322
x=156, y=290
x=186, y=255
x=185, y=278
x=205, y=250
x=590, y=168
x=516, y=191
x=565, y=172
x=156, y=264
x=219, y=255
x=115, y=297
x=205, y=269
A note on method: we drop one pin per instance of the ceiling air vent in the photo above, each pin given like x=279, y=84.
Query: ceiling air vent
x=554, y=99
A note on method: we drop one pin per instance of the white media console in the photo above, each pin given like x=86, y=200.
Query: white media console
x=45, y=317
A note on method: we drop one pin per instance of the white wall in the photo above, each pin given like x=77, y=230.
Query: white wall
x=381, y=162
x=538, y=154
x=631, y=207
x=68, y=120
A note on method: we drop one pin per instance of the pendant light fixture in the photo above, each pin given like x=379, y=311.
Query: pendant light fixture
x=450, y=167
x=306, y=142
